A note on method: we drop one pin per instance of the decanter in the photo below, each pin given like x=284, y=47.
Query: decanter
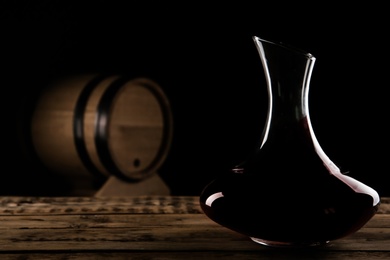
x=288, y=193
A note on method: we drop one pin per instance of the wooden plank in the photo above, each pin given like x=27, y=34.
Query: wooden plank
x=99, y=205
x=112, y=221
x=152, y=227
x=192, y=255
x=161, y=232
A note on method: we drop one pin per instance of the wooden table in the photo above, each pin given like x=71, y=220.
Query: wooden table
x=153, y=227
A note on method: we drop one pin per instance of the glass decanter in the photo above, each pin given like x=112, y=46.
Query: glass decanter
x=288, y=193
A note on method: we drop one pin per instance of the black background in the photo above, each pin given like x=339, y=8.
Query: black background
x=205, y=60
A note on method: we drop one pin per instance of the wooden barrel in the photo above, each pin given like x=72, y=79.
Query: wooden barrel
x=102, y=125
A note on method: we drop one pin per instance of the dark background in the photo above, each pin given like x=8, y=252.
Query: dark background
x=205, y=60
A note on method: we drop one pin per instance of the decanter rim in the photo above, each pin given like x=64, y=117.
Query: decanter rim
x=287, y=46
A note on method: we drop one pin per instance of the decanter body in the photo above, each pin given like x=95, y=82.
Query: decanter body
x=288, y=193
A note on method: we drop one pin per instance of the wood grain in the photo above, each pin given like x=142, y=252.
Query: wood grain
x=153, y=227
x=99, y=205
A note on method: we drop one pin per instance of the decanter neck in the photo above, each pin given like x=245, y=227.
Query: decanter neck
x=288, y=73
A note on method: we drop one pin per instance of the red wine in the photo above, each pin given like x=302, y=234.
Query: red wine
x=301, y=212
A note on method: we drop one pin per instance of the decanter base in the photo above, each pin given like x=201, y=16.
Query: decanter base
x=287, y=244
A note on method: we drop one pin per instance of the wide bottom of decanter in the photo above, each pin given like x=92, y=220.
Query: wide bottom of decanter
x=270, y=243
x=298, y=216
